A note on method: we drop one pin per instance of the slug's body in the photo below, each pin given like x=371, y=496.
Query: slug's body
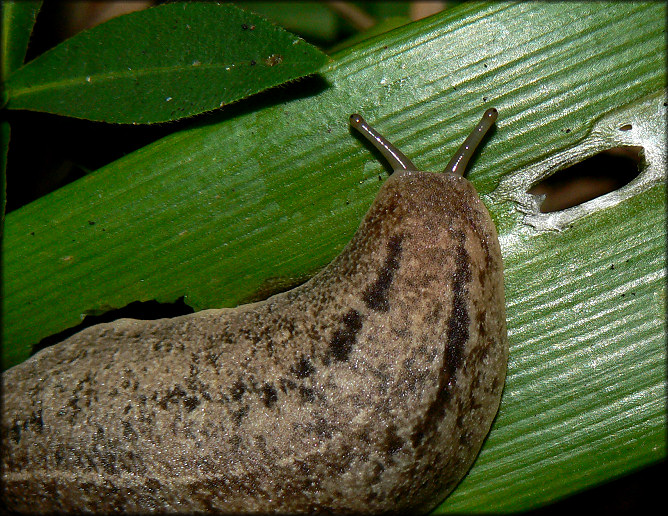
x=369, y=388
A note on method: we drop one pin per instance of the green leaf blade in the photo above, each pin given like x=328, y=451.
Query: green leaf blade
x=164, y=63
x=18, y=19
x=5, y=132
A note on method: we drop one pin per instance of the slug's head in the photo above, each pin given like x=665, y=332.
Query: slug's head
x=399, y=161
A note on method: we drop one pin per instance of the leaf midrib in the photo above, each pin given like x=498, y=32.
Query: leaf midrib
x=102, y=78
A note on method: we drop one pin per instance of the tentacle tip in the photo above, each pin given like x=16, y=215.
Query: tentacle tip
x=356, y=120
x=491, y=114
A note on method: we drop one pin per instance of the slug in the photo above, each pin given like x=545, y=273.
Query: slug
x=368, y=389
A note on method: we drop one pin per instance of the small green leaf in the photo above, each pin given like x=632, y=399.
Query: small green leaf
x=163, y=63
x=18, y=19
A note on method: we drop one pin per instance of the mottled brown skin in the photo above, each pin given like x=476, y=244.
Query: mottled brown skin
x=369, y=388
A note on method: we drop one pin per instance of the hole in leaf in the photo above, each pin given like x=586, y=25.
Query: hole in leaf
x=598, y=175
x=143, y=310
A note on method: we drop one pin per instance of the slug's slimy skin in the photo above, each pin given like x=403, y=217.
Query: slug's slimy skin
x=370, y=388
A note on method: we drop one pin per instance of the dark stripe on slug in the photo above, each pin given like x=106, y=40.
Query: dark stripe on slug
x=238, y=390
x=269, y=395
x=303, y=368
x=458, y=325
x=393, y=443
x=375, y=296
x=456, y=337
x=342, y=343
x=306, y=394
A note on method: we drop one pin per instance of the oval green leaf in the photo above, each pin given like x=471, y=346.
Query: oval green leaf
x=160, y=64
